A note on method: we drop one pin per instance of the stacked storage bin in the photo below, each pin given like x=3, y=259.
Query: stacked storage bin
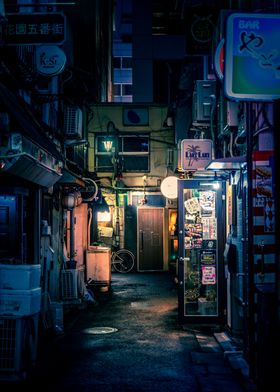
x=20, y=304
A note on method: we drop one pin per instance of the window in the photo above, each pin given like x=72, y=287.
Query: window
x=127, y=62
x=127, y=89
x=117, y=89
x=122, y=92
x=128, y=153
x=122, y=62
x=117, y=62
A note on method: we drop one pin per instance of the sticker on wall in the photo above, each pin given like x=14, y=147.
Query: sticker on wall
x=192, y=205
x=209, y=228
x=207, y=203
x=193, y=236
x=269, y=216
x=208, y=274
x=264, y=181
x=208, y=257
x=209, y=244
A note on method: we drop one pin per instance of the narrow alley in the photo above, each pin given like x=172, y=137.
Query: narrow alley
x=130, y=340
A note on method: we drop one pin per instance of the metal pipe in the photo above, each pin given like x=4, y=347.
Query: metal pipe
x=72, y=238
x=250, y=261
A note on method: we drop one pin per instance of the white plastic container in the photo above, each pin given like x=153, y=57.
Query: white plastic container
x=20, y=277
x=20, y=302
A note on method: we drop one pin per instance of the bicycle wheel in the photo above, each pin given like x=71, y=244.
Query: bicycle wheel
x=123, y=260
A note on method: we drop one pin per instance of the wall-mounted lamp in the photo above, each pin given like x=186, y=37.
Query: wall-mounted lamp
x=216, y=185
x=213, y=184
x=108, y=141
x=68, y=201
x=108, y=144
x=104, y=216
x=228, y=163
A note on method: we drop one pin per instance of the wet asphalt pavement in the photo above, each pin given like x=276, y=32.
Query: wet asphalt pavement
x=147, y=351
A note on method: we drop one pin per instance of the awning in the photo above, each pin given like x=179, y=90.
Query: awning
x=70, y=179
x=28, y=167
x=227, y=163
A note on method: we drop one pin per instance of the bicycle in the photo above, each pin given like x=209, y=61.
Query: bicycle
x=122, y=260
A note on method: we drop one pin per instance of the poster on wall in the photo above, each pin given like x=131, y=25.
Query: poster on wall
x=264, y=200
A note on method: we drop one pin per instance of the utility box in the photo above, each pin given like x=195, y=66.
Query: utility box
x=98, y=266
x=204, y=100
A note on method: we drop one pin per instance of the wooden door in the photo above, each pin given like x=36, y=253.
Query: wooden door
x=150, y=239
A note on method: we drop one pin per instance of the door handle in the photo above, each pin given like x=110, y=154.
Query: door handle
x=182, y=259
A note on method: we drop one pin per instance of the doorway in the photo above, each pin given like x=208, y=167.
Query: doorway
x=150, y=238
x=201, y=211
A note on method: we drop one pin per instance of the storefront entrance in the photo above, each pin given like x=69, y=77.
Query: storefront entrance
x=201, y=240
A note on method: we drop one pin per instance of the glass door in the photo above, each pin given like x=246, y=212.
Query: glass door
x=201, y=242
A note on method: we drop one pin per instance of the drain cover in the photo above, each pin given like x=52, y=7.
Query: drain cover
x=99, y=330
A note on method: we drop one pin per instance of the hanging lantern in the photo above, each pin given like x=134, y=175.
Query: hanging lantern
x=68, y=201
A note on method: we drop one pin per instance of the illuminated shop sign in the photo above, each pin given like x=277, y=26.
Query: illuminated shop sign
x=196, y=153
x=33, y=29
x=252, y=63
x=50, y=60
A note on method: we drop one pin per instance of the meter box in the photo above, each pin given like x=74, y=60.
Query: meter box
x=204, y=100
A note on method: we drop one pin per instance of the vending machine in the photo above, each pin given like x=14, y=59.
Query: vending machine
x=201, y=236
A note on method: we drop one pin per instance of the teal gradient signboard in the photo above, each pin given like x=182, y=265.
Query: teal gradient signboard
x=252, y=61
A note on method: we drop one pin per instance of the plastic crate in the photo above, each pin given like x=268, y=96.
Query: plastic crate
x=20, y=277
x=20, y=302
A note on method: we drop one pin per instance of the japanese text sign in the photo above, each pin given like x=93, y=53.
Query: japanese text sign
x=252, y=62
x=33, y=29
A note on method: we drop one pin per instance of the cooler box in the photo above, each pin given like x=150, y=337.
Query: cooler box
x=98, y=264
x=20, y=277
x=20, y=302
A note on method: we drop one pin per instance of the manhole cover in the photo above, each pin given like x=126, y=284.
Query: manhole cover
x=99, y=330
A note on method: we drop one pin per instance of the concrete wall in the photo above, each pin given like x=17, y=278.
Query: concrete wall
x=161, y=140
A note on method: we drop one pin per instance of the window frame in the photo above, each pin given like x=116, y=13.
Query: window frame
x=121, y=153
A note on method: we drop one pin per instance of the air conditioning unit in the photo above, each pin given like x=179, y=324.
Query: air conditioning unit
x=69, y=284
x=204, y=97
x=18, y=346
x=73, y=122
x=72, y=283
